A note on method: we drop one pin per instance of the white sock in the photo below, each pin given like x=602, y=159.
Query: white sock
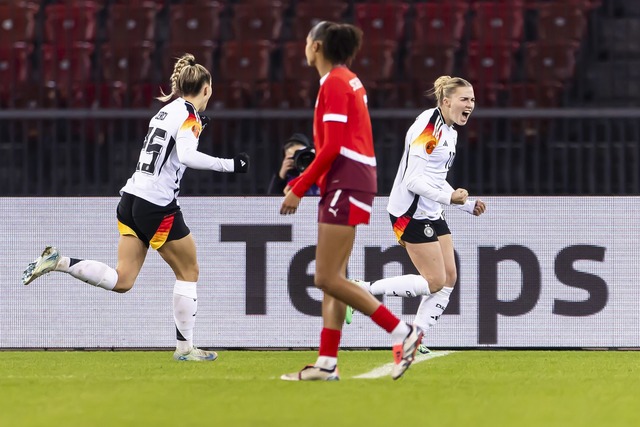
x=326, y=362
x=399, y=333
x=431, y=308
x=185, y=307
x=409, y=285
x=92, y=272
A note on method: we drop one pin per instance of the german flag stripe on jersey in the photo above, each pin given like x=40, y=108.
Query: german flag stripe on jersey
x=162, y=233
x=125, y=230
x=400, y=225
x=192, y=124
x=427, y=138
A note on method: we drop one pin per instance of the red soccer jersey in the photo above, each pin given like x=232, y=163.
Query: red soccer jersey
x=343, y=139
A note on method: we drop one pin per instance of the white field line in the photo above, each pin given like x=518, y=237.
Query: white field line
x=385, y=370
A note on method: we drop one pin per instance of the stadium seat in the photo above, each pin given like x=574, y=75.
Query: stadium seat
x=490, y=63
x=533, y=95
x=308, y=14
x=127, y=23
x=497, y=21
x=376, y=61
x=550, y=61
x=381, y=21
x=262, y=21
x=288, y=94
x=17, y=22
x=425, y=62
x=245, y=61
x=294, y=63
x=14, y=64
x=560, y=20
x=619, y=37
x=204, y=52
x=97, y=95
x=232, y=95
x=127, y=64
x=189, y=22
x=440, y=23
x=68, y=23
x=63, y=66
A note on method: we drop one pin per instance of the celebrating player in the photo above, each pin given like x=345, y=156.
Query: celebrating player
x=148, y=213
x=415, y=203
x=345, y=171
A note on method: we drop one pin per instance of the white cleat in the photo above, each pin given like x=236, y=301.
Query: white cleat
x=313, y=373
x=46, y=263
x=423, y=349
x=405, y=353
x=196, y=355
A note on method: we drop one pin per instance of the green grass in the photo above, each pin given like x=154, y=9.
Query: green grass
x=466, y=388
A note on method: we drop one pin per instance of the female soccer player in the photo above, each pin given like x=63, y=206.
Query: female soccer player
x=345, y=171
x=148, y=213
x=415, y=203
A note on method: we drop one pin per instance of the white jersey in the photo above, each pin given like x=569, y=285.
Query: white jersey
x=420, y=187
x=169, y=148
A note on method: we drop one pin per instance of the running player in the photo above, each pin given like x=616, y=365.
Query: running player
x=345, y=171
x=415, y=203
x=149, y=214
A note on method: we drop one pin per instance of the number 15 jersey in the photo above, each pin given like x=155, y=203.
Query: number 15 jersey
x=159, y=169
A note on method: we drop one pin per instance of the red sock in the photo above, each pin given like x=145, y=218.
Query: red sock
x=329, y=342
x=385, y=319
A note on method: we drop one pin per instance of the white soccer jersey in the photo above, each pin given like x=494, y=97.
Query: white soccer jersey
x=169, y=148
x=420, y=187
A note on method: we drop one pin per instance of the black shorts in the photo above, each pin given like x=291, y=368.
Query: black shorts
x=411, y=230
x=154, y=225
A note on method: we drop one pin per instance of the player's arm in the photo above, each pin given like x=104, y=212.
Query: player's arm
x=188, y=154
x=468, y=206
x=334, y=122
x=416, y=177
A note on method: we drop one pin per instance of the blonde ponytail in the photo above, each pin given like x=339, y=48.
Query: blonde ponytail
x=187, y=78
x=445, y=85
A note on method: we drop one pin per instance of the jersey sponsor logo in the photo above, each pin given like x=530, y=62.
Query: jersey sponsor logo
x=161, y=115
x=428, y=231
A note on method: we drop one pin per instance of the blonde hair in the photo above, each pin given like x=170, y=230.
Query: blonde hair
x=187, y=78
x=444, y=86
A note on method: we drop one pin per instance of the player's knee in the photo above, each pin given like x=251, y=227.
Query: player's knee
x=437, y=281
x=123, y=286
x=323, y=282
x=452, y=278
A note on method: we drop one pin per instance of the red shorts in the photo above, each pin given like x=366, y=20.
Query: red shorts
x=345, y=207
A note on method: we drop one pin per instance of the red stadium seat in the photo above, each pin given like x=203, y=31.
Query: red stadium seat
x=129, y=23
x=381, y=21
x=376, y=61
x=550, y=61
x=17, y=22
x=288, y=94
x=295, y=65
x=97, y=95
x=439, y=23
x=561, y=21
x=245, y=61
x=307, y=15
x=533, y=95
x=497, y=21
x=233, y=95
x=425, y=62
x=64, y=65
x=127, y=64
x=257, y=21
x=189, y=22
x=14, y=64
x=490, y=63
x=69, y=23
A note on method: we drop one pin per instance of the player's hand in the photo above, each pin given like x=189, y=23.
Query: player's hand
x=241, y=163
x=290, y=202
x=459, y=197
x=479, y=208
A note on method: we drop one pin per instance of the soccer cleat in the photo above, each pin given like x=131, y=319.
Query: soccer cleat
x=196, y=355
x=423, y=349
x=46, y=263
x=313, y=373
x=348, y=317
x=404, y=354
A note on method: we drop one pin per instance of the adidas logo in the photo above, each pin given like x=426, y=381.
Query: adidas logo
x=445, y=144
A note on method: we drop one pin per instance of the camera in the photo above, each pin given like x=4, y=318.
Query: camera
x=303, y=157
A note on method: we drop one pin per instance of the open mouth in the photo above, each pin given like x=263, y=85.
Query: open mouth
x=466, y=114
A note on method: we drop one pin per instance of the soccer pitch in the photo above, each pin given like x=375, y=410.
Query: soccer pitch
x=242, y=388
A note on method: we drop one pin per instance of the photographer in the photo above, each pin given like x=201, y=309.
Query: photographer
x=298, y=154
